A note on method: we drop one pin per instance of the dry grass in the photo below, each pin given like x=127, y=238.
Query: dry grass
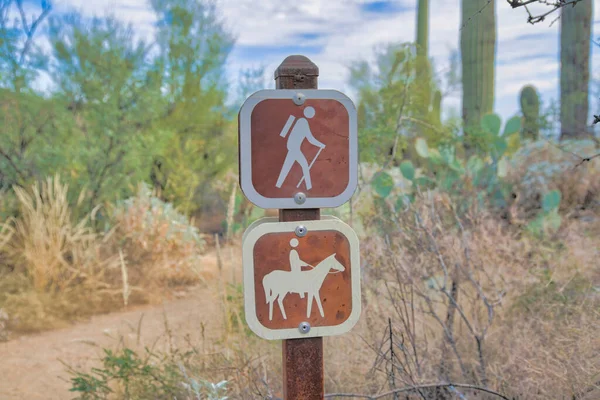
x=471, y=299
x=55, y=270
x=538, y=343
x=476, y=302
x=48, y=248
x=52, y=268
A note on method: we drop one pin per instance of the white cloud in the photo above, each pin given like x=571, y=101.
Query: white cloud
x=526, y=54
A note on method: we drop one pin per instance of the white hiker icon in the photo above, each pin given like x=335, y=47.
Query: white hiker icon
x=277, y=284
x=300, y=132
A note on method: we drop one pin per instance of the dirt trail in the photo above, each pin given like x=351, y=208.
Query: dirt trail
x=31, y=368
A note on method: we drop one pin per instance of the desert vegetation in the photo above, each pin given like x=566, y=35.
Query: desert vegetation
x=480, y=237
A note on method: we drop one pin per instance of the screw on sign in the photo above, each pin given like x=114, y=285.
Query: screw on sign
x=298, y=151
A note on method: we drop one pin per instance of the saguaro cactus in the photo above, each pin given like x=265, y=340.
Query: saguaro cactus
x=423, y=68
x=575, y=33
x=478, y=53
x=429, y=98
x=423, y=27
x=530, y=107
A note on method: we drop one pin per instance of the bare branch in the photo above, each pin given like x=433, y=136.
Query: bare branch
x=556, y=5
x=532, y=19
x=30, y=30
x=582, y=160
x=414, y=388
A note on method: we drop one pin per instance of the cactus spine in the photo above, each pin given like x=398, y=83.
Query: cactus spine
x=530, y=107
x=575, y=33
x=478, y=53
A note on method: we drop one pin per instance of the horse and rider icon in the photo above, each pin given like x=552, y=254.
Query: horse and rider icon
x=299, y=132
x=279, y=283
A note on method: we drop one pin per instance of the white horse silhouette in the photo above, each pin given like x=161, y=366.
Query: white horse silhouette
x=278, y=284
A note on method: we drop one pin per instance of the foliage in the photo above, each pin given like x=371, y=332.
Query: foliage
x=543, y=166
x=161, y=244
x=391, y=104
x=113, y=93
x=21, y=59
x=154, y=375
x=481, y=175
x=548, y=220
x=250, y=80
x=193, y=47
x=235, y=309
x=31, y=128
x=118, y=110
x=243, y=214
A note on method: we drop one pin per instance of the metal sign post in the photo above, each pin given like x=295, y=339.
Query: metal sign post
x=298, y=149
x=303, y=374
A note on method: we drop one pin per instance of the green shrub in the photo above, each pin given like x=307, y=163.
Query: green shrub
x=159, y=242
x=126, y=375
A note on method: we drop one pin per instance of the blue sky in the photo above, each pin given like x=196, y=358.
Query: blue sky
x=334, y=33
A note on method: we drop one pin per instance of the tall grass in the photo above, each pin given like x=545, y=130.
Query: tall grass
x=55, y=269
x=51, y=250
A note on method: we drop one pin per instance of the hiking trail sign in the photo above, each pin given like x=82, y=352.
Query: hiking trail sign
x=301, y=279
x=298, y=152
x=298, y=148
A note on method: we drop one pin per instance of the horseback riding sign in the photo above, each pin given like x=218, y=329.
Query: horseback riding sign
x=301, y=279
x=298, y=148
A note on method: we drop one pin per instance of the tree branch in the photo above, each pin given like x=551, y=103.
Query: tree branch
x=12, y=163
x=414, y=388
x=30, y=30
x=582, y=160
x=557, y=4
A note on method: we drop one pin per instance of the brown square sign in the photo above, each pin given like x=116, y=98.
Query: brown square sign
x=298, y=149
x=301, y=282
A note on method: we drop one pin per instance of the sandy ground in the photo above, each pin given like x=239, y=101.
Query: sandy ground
x=31, y=368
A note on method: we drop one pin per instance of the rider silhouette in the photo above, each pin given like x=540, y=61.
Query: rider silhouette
x=300, y=132
x=296, y=263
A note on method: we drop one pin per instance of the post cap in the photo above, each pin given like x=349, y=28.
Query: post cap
x=297, y=65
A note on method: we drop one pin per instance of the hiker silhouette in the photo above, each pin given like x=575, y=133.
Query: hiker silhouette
x=300, y=131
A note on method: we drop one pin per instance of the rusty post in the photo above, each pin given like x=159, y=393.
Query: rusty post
x=302, y=358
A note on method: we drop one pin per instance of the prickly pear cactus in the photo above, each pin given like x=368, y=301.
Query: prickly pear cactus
x=530, y=107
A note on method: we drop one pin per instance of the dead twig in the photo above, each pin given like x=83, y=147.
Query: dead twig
x=534, y=19
x=415, y=388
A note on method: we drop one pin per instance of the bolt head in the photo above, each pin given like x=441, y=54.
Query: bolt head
x=300, y=198
x=304, y=327
x=299, y=99
x=301, y=231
